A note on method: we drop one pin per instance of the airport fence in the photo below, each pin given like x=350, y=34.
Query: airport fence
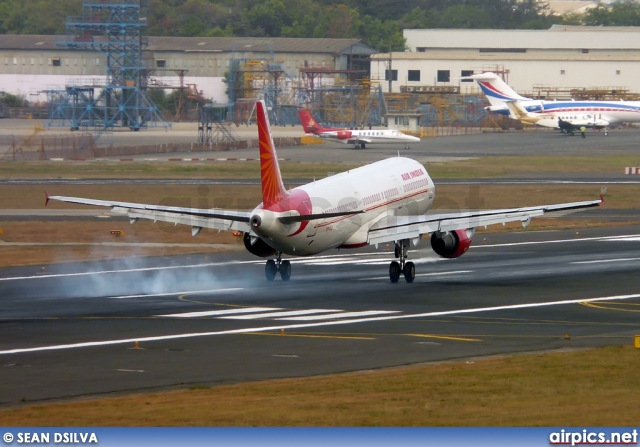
x=83, y=147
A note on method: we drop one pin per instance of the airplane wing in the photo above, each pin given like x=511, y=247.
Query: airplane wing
x=197, y=218
x=392, y=228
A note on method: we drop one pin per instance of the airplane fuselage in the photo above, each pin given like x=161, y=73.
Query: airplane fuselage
x=368, y=136
x=396, y=186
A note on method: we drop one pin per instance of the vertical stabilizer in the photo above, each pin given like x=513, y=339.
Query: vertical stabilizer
x=495, y=89
x=308, y=123
x=273, y=190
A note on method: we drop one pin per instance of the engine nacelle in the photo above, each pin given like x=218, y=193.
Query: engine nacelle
x=257, y=246
x=451, y=244
x=344, y=134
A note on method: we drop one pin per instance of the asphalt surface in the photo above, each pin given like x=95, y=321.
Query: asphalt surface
x=157, y=323
x=72, y=330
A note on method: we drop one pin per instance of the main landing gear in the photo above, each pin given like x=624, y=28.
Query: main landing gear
x=272, y=268
x=408, y=269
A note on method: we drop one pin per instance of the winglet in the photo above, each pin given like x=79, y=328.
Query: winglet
x=46, y=201
x=601, y=201
x=273, y=190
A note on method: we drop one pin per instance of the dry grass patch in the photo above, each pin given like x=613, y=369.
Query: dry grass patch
x=580, y=388
x=98, y=233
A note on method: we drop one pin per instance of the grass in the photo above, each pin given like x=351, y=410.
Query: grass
x=578, y=388
x=486, y=167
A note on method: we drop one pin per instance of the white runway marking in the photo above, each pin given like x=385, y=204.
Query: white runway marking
x=286, y=313
x=599, y=261
x=186, y=292
x=211, y=313
x=135, y=270
x=557, y=241
x=310, y=325
x=420, y=274
x=341, y=315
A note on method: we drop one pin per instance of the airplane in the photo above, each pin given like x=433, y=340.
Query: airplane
x=359, y=138
x=604, y=113
x=380, y=203
x=569, y=125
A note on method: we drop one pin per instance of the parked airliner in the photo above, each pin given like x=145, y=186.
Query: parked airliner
x=574, y=114
x=359, y=138
x=379, y=203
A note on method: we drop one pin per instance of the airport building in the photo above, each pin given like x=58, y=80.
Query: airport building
x=31, y=64
x=553, y=62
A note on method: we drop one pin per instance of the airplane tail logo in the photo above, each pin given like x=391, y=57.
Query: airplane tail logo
x=273, y=190
x=308, y=123
x=496, y=90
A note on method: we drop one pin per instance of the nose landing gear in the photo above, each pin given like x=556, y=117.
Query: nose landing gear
x=408, y=269
x=272, y=267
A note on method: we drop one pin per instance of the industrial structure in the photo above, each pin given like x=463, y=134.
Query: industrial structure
x=345, y=82
x=121, y=99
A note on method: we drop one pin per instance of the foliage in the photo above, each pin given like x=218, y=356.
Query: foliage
x=14, y=100
x=377, y=22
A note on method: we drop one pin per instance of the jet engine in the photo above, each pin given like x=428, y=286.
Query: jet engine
x=344, y=134
x=451, y=244
x=257, y=246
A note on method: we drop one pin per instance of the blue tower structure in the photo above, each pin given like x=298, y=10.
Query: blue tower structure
x=114, y=28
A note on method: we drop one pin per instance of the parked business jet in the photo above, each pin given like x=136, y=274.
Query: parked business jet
x=567, y=123
x=604, y=113
x=383, y=202
x=359, y=138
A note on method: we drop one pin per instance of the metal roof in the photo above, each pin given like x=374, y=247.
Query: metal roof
x=561, y=37
x=212, y=44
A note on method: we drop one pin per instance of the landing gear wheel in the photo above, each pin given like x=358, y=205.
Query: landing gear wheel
x=394, y=271
x=409, y=272
x=270, y=270
x=362, y=146
x=285, y=270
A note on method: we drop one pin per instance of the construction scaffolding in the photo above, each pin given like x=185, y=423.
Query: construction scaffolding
x=121, y=99
x=338, y=97
x=213, y=127
x=342, y=97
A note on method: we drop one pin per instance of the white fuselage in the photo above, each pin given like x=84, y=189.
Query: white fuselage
x=393, y=187
x=599, y=113
x=368, y=136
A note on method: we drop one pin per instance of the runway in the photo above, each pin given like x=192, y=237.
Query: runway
x=73, y=330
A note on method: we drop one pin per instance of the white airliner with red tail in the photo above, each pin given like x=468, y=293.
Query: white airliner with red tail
x=383, y=202
x=359, y=138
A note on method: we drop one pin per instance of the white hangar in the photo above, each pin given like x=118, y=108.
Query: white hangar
x=560, y=57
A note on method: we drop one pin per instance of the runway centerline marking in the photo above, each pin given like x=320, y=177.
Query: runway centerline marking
x=624, y=238
x=420, y=274
x=598, y=261
x=308, y=325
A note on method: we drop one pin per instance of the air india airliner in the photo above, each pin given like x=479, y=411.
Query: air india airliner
x=383, y=202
